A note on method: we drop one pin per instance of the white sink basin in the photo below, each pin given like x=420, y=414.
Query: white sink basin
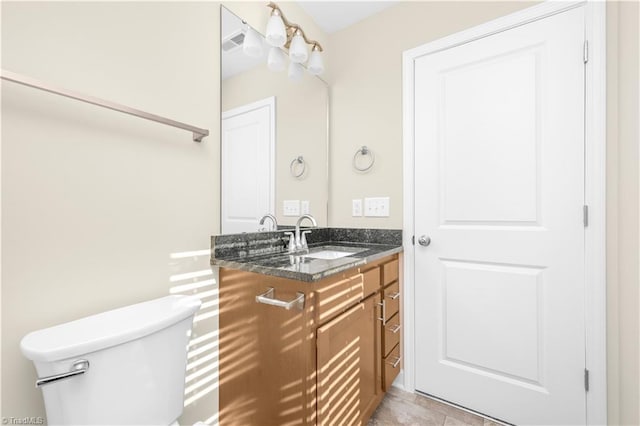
x=327, y=254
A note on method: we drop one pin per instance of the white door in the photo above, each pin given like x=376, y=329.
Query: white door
x=499, y=184
x=248, y=166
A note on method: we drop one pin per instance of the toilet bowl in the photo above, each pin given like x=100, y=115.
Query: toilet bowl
x=125, y=366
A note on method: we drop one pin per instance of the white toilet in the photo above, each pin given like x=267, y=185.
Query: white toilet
x=125, y=366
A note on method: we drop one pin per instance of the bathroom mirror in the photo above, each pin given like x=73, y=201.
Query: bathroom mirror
x=274, y=135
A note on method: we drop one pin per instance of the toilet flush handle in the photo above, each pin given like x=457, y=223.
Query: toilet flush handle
x=78, y=367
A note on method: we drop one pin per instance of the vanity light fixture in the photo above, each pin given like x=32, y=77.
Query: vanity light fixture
x=298, y=51
x=315, y=64
x=282, y=33
x=277, y=59
x=276, y=34
x=252, y=44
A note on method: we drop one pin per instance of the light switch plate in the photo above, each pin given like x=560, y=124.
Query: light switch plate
x=376, y=207
x=304, y=207
x=356, y=207
x=291, y=208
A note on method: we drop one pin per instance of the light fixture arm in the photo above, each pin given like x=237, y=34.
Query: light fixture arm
x=292, y=28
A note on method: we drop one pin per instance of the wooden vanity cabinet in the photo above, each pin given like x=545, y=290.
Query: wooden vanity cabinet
x=392, y=324
x=328, y=363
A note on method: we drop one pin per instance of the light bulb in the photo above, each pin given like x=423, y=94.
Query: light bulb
x=295, y=71
x=252, y=44
x=276, y=34
x=315, y=65
x=277, y=59
x=298, y=50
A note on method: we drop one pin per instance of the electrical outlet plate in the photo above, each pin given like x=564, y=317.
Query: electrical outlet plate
x=356, y=207
x=304, y=207
x=291, y=208
x=376, y=207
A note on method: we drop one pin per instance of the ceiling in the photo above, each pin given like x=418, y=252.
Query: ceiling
x=332, y=16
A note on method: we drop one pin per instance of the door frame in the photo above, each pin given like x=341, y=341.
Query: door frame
x=243, y=109
x=595, y=187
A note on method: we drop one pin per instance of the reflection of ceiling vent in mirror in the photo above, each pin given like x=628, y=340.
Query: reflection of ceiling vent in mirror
x=233, y=41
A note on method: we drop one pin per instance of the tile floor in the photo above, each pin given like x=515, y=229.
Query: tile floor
x=405, y=408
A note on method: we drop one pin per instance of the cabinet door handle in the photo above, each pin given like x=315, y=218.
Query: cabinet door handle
x=394, y=296
x=395, y=329
x=395, y=363
x=384, y=313
x=269, y=298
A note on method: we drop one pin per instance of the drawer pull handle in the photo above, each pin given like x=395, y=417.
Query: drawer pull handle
x=384, y=313
x=395, y=363
x=394, y=296
x=395, y=329
x=269, y=298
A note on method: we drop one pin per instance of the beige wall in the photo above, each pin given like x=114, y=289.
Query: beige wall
x=95, y=202
x=301, y=129
x=623, y=274
x=366, y=97
x=366, y=93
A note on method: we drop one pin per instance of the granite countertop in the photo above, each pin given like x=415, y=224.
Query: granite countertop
x=265, y=252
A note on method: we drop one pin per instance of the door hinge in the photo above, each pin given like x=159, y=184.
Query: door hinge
x=585, y=215
x=586, y=380
x=413, y=240
x=585, y=53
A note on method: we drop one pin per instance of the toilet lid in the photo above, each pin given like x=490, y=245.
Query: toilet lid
x=107, y=329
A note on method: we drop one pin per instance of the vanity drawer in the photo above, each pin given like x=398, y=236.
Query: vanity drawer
x=389, y=272
x=391, y=366
x=371, y=281
x=391, y=335
x=391, y=300
x=335, y=297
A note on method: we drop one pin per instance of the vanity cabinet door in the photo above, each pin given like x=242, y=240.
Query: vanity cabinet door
x=267, y=356
x=348, y=366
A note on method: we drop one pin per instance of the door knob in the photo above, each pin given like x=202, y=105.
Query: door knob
x=424, y=240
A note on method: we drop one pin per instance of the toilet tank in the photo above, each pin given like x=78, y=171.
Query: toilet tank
x=137, y=363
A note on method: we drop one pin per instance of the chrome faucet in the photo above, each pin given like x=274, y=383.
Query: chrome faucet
x=273, y=219
x=299, y=241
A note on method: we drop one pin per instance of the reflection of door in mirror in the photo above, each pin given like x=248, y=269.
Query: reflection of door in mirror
x=248, y=165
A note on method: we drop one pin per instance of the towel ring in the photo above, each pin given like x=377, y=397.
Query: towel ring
x=365, y=152
x=297, y=166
